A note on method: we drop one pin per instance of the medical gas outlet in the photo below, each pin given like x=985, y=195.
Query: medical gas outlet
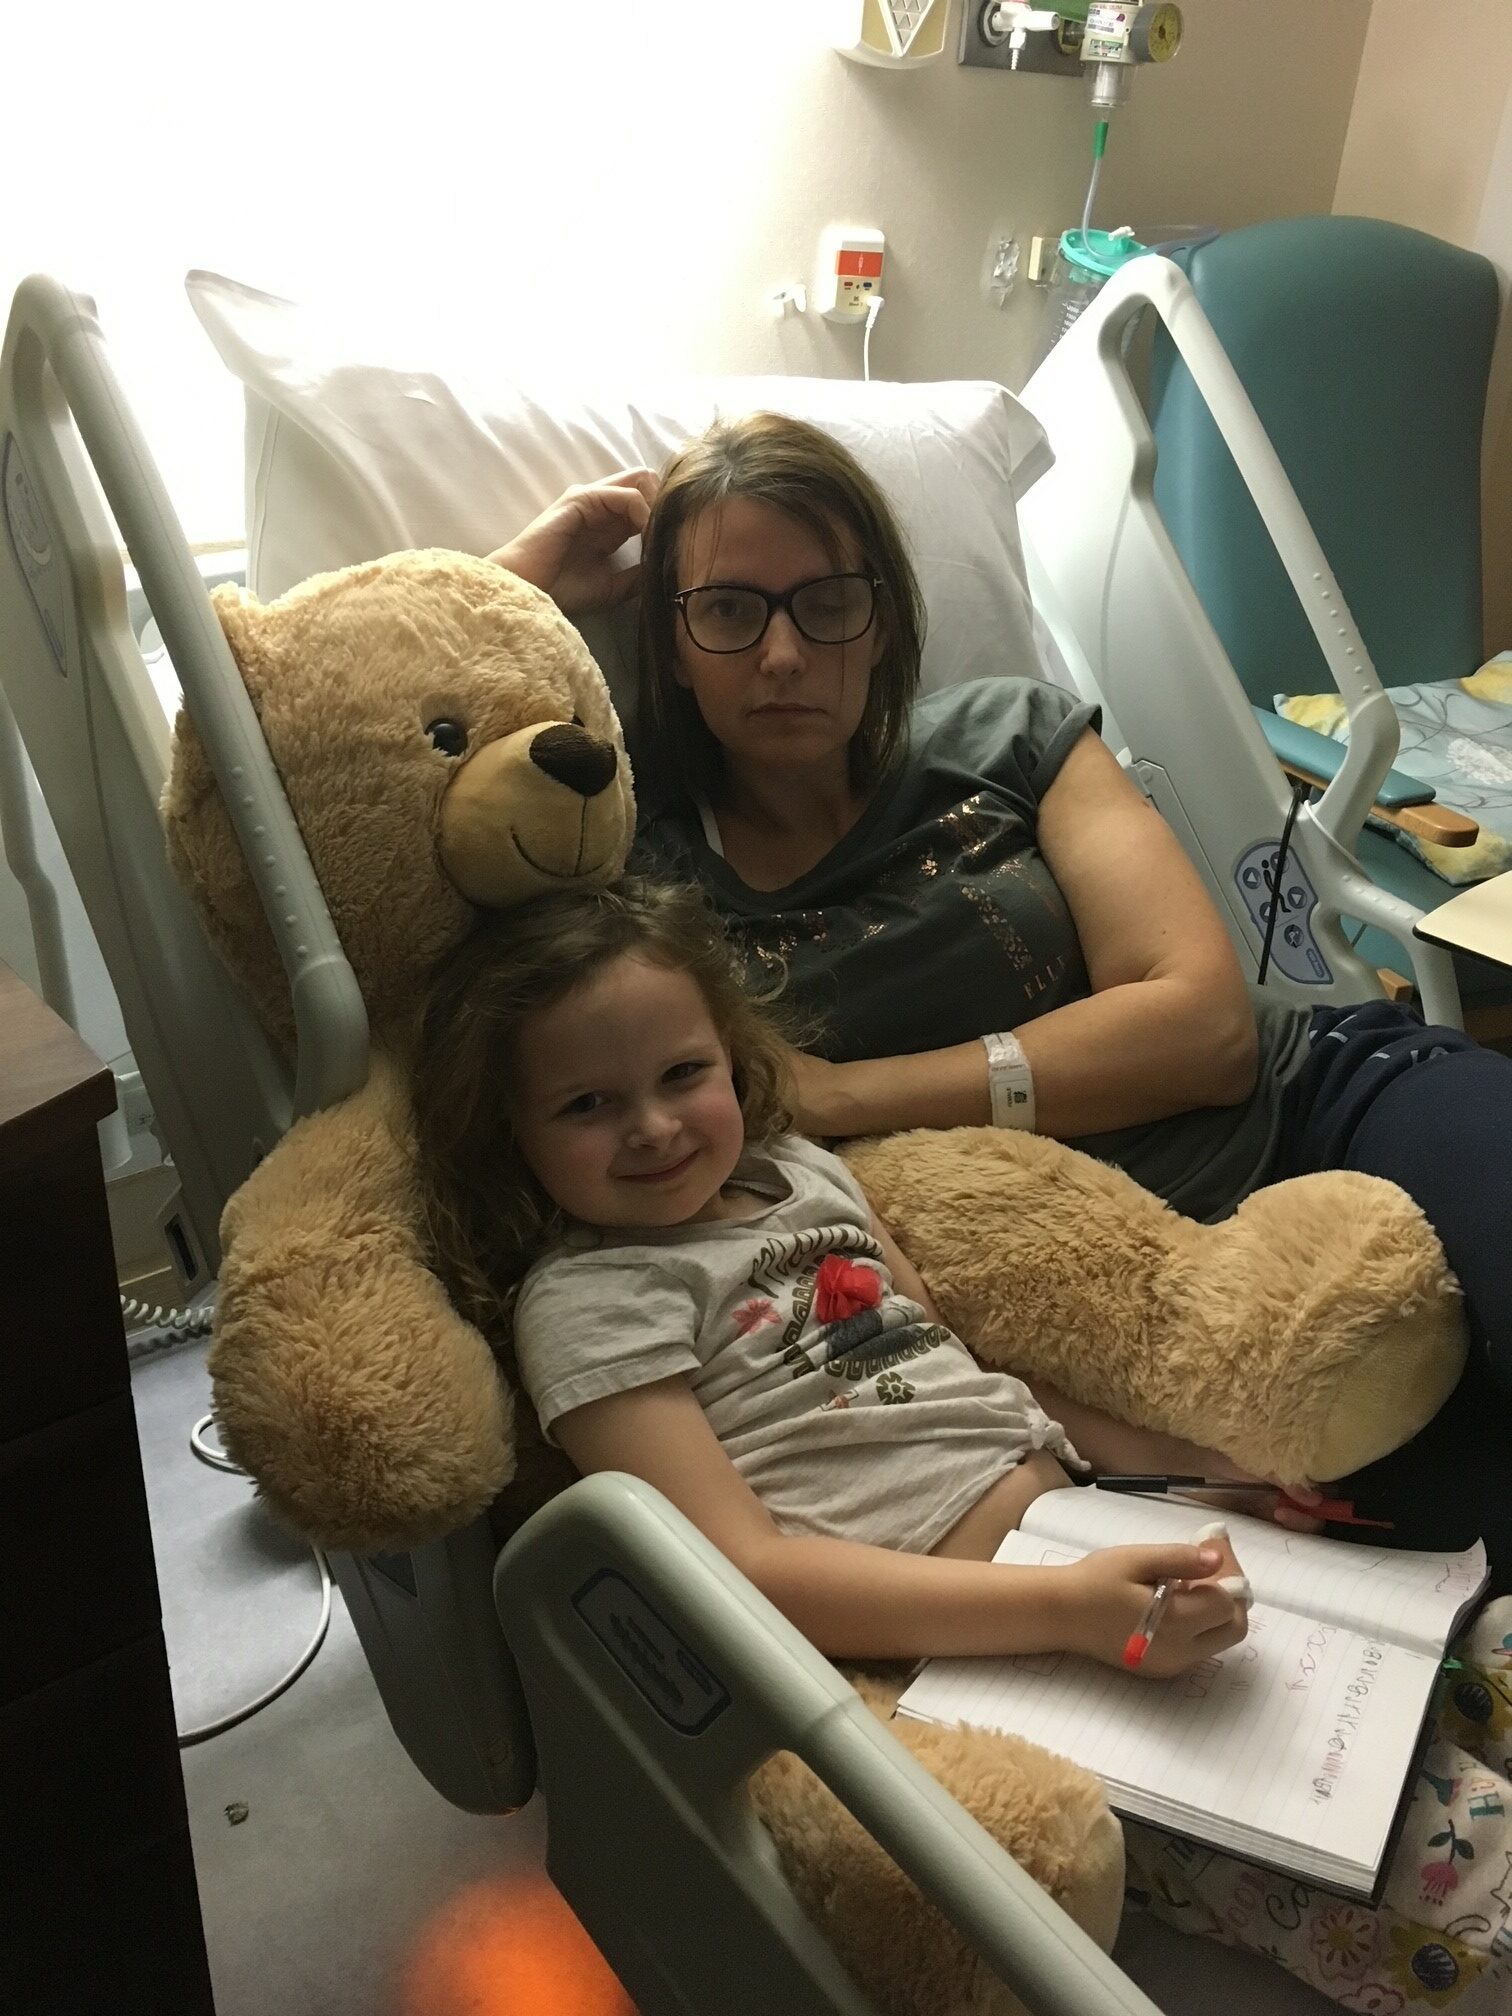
x=850, y=273
x=1103, y=39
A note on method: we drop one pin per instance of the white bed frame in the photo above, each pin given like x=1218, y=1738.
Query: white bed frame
x=1111, y=588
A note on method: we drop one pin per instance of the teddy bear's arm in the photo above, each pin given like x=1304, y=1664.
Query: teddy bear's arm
x=368, y=1412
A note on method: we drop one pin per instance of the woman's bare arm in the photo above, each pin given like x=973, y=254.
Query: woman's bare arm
x=1168, y=1026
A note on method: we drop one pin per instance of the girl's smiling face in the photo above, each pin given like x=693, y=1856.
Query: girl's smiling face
x=625, y=1108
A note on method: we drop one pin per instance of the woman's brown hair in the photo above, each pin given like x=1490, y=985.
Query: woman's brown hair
x=800, y=470
x=488, y=1218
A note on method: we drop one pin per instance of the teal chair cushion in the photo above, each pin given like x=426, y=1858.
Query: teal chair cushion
x=1365, y=348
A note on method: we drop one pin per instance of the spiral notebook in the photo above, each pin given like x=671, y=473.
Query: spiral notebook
x=1295, y=1748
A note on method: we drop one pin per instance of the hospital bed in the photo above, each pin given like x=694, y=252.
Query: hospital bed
x=681, y=1891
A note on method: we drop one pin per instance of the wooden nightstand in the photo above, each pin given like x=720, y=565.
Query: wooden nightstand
x=99, y=1908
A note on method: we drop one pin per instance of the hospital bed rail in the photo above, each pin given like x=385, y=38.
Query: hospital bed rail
x=1107, y=579
x=651, y=1835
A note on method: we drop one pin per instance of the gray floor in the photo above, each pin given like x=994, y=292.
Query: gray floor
x=350, y=1888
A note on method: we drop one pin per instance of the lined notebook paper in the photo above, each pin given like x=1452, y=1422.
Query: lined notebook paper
x=1293, y=1748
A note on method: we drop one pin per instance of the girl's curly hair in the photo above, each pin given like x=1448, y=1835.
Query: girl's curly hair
x=487, y=1217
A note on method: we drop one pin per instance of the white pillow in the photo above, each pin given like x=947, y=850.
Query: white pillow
x=351, y=455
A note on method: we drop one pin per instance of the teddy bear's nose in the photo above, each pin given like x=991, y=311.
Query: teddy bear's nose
x=574, y=758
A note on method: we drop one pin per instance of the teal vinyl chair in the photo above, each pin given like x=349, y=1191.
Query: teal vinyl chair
x=1366, y=349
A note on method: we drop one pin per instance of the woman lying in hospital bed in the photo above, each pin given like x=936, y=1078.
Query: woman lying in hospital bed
x=984, y=922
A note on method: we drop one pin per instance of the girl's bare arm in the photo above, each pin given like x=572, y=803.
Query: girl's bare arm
x=856, y=1601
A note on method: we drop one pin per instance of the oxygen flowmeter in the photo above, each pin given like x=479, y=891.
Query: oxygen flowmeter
x=1115, y=38
x=1102, y=39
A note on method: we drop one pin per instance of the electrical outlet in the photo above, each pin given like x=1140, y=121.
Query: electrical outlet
x=1041, y=257
x=134, y=1105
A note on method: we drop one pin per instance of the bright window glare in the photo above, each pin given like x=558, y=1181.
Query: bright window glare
x=496, y=177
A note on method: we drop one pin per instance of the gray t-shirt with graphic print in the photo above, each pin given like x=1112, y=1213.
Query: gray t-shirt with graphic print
x=937, y=919
x=855, y=1418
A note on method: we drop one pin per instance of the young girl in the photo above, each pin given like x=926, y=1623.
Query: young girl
x=706, y=1301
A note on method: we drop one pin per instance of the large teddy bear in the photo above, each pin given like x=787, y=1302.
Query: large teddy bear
x=447, y=744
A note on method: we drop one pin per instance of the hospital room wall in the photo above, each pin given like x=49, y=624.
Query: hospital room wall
x=615, y=198
x=1430, y=145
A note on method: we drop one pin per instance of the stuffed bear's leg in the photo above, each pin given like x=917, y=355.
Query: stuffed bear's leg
x=1049, y=1814
x=1311, y=1333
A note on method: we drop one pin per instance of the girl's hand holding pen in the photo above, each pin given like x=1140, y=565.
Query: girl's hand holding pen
x=1205, y=1611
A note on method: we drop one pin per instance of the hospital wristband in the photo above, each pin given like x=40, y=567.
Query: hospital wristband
x=1010, y=1082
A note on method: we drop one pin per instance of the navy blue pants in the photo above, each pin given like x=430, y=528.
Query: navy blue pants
x=1430, y=1110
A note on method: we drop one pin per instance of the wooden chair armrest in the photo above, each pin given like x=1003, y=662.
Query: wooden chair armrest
x=1425, y=822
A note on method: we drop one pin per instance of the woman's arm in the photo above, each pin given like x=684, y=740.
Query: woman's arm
x=854, y=1601
x=569, y=549
x=1167, y=1027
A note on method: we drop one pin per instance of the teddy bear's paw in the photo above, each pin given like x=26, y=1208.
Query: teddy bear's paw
x=1333, y=1306
x=368, y=1413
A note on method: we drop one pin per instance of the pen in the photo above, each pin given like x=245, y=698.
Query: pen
x=1142, y=1636
x=1338, y=1511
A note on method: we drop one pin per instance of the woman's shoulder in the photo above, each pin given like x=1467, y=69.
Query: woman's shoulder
x=668, y=843
x=996, y=708
x=1009, y=731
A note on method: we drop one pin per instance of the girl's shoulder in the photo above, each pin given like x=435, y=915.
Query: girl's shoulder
x=810, y=1169
x=586, y=1269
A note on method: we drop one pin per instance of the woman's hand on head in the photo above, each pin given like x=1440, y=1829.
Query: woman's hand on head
x=1111, y=1591
x=569, y=549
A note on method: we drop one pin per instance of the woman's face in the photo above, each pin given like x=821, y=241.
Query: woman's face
x=785, y=702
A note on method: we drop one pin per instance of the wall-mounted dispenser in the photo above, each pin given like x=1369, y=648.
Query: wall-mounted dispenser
x=894, y=33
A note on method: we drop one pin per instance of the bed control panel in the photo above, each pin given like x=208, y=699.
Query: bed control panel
x=34, y=550
x=1294, y=950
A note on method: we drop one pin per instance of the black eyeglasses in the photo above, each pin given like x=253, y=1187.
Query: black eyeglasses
x=726, y=616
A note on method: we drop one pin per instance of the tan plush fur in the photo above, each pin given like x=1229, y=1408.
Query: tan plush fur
x=345, y=672
x=371, y=1415
x=1049, y=1814
x=1309, y=1334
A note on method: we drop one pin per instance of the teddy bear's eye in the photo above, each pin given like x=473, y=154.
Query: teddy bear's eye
x=450, y=737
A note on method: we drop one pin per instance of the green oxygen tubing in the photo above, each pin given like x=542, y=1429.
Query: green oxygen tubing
x=1099, y=148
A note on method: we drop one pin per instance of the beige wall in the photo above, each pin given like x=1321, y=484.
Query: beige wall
x=1430, y=145
x=616, y=198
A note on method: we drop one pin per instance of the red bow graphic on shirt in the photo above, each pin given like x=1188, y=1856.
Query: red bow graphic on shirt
x=842, y=1289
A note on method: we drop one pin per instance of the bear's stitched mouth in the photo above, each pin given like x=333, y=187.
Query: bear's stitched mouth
x=554, y=874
